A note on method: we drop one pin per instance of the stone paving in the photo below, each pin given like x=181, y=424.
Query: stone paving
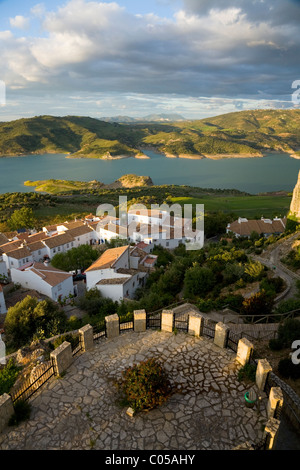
x=80, y=411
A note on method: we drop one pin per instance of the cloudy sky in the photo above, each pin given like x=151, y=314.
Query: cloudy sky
x=197, y=58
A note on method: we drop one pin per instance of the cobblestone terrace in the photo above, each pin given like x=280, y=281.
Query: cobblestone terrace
x=80, y=410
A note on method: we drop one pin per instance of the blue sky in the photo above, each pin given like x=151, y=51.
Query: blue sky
x=196, y=58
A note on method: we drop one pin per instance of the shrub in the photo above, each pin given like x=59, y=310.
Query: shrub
x=22, y=411
x=73, y=339
x=247, y=372
x=145, y=386
x=289, y=331
x=8, y=376
x=288, y=370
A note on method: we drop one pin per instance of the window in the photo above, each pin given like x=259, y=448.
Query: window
x=39, y=252
x=59, y=288
x=58, y=249
x=54, y=250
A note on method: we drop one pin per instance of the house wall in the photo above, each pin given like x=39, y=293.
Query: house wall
x=2, y=304
x=130, y=287
x=92, y=277
x=16, y=263
x=63, y=290
x=3, y=269
x=38, y=255
x=30, y=280
x=114, y=292
x=60, y=249
x=83, y=239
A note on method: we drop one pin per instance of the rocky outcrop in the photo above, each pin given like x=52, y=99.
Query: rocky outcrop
x=295, y=203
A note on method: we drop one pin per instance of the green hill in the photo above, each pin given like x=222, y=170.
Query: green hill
x=240, y=134
x=78, y=136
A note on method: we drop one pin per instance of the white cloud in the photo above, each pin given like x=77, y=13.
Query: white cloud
x=20, y=22
x=89, y=46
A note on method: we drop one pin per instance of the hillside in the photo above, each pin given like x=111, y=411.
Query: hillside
x=241, y=134
x=77, y=136
x=53, y=186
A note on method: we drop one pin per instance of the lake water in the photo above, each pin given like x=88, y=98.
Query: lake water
x=273, y=172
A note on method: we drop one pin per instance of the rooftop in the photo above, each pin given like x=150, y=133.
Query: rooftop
x=108, y=258
x=48, y=274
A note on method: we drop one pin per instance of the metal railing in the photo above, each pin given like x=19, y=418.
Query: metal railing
x=27, y=387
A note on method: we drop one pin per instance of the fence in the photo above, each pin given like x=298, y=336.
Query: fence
x=29, y=386
x=44, y=372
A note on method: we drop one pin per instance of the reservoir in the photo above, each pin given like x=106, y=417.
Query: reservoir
x=273, y=172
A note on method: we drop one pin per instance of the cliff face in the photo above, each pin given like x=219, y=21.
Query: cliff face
x=295, y=204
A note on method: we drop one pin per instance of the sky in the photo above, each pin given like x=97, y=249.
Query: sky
x=195, y=58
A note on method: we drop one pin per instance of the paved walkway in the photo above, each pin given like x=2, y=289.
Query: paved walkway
x=80, y=411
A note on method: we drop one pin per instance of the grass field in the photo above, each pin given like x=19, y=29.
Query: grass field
x=244, y=206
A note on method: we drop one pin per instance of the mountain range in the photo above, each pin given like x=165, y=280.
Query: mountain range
x=240, y=134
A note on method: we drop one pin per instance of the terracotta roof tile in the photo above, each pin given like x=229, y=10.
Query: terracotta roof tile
x=108, y=258
x=20, y=253
x=58, y=240
x=50, y=275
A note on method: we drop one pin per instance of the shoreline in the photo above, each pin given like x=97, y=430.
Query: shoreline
x=143, y=156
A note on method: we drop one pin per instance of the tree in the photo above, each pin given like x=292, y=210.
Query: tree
x=76, y=258
x=198, y=281
x=95, y=305
x=29, y=316
x=257, y=304
x=22, y=218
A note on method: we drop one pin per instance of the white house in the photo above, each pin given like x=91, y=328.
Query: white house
x=83, y=235
x=118, y=272
x=17, y=258
x=52, y=282
x=3, y=309
x=38, y=250
x=243, y=227
x=3, y=268
x=60, y=243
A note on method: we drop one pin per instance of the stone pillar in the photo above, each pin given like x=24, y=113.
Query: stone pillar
x=87, y=337
x=195, y=324
x=271, y=433
x=221, y=335
x=112, y=326
x=275, y=400
x=139, y=320
x=167, y=320
x=62, y=357
x=244, y=351
x=262, y=371
x=6, y=410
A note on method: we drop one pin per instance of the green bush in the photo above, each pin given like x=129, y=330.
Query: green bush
x=8, y=376
x=145, y=386
x=247, y=372
x=73, y=339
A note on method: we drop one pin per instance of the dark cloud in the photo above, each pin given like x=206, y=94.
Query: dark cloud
x=237, y=49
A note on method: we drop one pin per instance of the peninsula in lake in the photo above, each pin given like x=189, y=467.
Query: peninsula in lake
x=243, y=134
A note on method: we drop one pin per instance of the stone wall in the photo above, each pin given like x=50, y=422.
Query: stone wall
x=62, y=357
